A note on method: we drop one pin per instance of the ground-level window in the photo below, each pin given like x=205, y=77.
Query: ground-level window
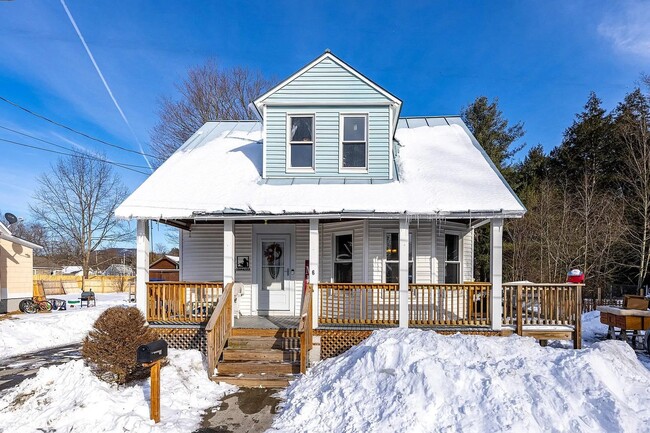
x=343, y=258
x=354, y=142
x=301, y=142
x=391, y=242
x=452, y=259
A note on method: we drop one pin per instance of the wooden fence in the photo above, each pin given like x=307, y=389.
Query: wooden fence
x=358, y=304
x=450, y=304
x=589, y=304
x=96, y=283
x=219, y=328
x=182, y=302
x=305, y=330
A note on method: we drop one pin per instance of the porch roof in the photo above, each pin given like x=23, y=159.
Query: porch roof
x=442, y=172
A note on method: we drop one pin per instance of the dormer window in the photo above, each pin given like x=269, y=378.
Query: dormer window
x=354, y=143
x=301, y=143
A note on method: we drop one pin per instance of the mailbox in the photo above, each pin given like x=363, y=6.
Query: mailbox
x=152, y=352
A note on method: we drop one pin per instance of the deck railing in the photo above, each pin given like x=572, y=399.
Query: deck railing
x=305, y=328
x=358, y=304
x=219, y=327
x=181, y=301
x=466, y=304
x=542, y=305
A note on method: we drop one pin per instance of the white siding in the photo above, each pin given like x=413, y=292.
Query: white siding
x=202, y=253
x=328, y=230
x=466, y=248
x=468, y=256
x=302, y=254
x=244, y=247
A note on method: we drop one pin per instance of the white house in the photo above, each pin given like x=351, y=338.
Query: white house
x=333, y=189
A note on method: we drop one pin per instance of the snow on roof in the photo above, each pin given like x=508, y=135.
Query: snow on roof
x=442, y=171
x=5, y=233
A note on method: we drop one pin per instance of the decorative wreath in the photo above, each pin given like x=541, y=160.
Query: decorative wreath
x=272, y=253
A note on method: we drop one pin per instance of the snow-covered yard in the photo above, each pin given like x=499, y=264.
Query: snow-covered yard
x=69, y=398
x=409, y=380
x=25, y=333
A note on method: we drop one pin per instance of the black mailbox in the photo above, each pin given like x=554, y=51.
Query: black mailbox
x=152, y=352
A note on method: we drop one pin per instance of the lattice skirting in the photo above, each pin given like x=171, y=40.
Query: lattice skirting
x=334, y=342
x=184, y=338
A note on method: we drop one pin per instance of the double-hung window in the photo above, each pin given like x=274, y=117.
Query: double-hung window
x=301, y=143
x=452, y=259
x=343, y=258
x=391, y=271
x=354, y=142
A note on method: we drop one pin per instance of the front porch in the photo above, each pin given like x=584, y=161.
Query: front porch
x=347, y=313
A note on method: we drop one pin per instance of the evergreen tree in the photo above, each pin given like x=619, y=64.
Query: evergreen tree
x=588, y=149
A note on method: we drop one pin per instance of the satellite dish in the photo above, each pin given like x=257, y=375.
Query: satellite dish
x=11, y=218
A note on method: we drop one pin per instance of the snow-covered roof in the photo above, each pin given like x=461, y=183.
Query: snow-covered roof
x=442, y=172
x=5, y=233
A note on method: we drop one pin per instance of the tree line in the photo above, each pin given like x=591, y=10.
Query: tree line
x=587, y=200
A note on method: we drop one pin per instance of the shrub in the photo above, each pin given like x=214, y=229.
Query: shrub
x=110, y=347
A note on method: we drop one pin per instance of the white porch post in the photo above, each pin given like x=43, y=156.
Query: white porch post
x=228, y=252
x=496, y=270
x=142, y=262
x=403, y=273
x=314, y=267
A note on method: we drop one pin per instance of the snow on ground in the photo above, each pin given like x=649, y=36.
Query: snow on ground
x=69, y=398
x=420, y=381
x=25, y=333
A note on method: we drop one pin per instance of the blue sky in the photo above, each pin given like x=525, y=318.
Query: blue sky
x=540, y=58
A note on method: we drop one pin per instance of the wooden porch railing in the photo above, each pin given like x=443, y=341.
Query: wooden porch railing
x=450, y=304
x=358, y=304
x=543, y=305
x=305, y=328
x=218, y=329
x=181, y=301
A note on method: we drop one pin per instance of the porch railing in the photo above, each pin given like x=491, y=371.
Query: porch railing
x=542, y=305
x=182, y=301
x=358, y=304
x=305, y=328
x=450, y=304
x=219, y=328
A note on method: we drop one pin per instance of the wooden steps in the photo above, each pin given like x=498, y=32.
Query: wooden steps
x=260, y=358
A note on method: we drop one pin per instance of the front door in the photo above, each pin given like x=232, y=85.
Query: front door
x=274, y=273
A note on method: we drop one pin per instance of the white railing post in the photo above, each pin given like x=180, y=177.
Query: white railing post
x=403, y=273
x=142, y=261
x=496, y=271
x=314, y=237
x=229, y=258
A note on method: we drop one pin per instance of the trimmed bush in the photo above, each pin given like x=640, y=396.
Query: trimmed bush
x=110, y=347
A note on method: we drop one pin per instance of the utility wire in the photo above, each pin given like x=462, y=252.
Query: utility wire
x=101, y=76
x=63, y=147
x=117, y=164
x=83, y=134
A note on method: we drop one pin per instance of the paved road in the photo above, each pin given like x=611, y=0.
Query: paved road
x=18, y=368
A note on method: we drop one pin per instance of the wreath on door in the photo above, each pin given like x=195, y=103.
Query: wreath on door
x=272, y=254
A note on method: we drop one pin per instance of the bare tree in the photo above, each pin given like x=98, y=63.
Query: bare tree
x=75, y=202
x=207, y=93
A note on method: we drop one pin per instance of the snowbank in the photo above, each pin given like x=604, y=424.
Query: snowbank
x=69, y=398
x=27, y=333
x=418, y=381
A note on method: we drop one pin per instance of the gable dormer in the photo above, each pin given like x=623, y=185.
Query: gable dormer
x=328, y=121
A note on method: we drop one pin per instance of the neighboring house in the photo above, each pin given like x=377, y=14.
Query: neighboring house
x=16, y=269
x=165, y=268
x=331, y=188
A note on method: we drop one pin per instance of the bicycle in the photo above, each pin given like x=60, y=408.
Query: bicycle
x=30, y=306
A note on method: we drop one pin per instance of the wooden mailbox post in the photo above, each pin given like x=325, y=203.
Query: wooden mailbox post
x=150, y=356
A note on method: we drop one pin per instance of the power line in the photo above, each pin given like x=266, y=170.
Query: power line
x=78, y=155
x=63, y=147
x=61, y=125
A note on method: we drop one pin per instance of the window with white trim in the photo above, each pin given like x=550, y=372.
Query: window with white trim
x=342, y=258
x=301, y=142
x=452, y=259
x=391, y=261
x=354, y=142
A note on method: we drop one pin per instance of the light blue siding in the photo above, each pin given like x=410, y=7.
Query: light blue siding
x=326, y=81
x=327, y=140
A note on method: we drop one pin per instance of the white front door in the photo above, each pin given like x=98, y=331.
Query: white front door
x=274, y=273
